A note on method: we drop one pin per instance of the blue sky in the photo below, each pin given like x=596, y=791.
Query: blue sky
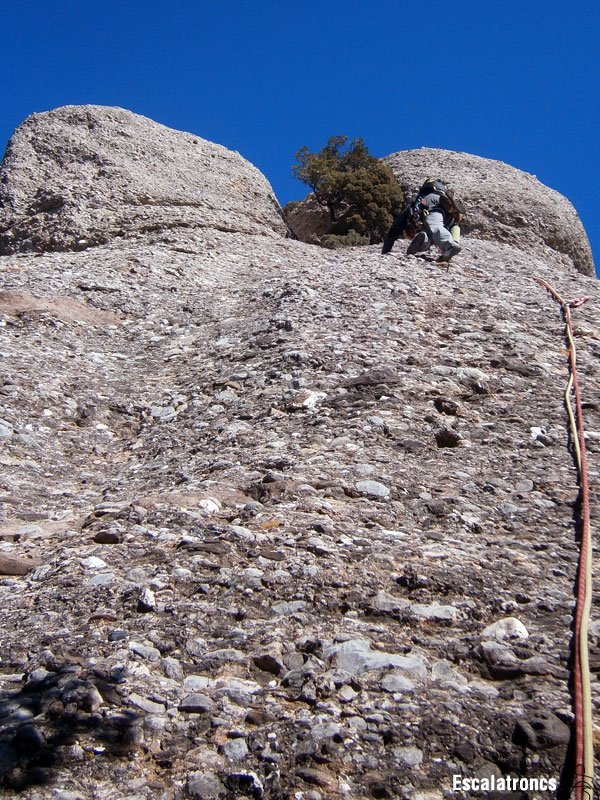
x=515, y=81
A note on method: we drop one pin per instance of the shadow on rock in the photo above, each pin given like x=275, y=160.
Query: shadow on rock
x=56, y=718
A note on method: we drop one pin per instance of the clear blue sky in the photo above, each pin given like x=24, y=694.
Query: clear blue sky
x=515, y=81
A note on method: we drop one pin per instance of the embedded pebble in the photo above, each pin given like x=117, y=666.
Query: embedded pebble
x=196, y=704
x=236, y=749
x=356, y=657
x=205, y=786
x=509, y=628
x=145, y=704
x=286, y=609
x=395, y=682
x=373, y=488
x=410, y=756
x=435, y=611
x=196, y=683
x=93, y=563
x=444, y=672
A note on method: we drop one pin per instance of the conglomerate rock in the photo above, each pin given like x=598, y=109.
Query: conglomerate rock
x=308, y=220
x=81, y=175
x=296, y=523
x=503, y=203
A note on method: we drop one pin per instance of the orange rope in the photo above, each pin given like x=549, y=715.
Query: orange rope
x=584, y=752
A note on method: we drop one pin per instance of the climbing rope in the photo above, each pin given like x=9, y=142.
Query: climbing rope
x=584, y=748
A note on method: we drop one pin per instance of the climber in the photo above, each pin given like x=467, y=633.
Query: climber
x=431, y=217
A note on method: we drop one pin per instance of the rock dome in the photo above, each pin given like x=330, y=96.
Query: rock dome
x=503, y=203
x=79, y=176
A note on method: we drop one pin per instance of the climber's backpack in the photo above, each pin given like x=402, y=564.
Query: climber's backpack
x=452, y=207
x=416, y=212
x=411, y=219
x=432, y=186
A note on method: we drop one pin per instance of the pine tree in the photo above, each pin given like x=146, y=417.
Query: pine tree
x=359, y=191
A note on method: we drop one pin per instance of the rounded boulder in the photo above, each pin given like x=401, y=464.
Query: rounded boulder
x=80, y=176
x=502, y=203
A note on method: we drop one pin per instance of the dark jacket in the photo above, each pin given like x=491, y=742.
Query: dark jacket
x=446, y=204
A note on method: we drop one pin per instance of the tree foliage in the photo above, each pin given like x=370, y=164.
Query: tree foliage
x=360, y=192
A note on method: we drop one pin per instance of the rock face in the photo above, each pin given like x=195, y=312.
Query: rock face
x=79, y=176
x=289, y=522
x=308, y=220
x=503, y=204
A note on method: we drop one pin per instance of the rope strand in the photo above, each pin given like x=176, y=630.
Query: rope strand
x=582, y=701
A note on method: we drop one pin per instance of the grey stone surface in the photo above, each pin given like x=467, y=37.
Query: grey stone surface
x=239, y=499
x=196, y=704
x=444, y=672
x=308, y=220
x=410, y=756
x=356, y=657
x=236, y=749
x=373, y=488
x=395, y=681
x=509, y=628
x=205, y=786
x=78, y=176
x=435, y=611
x=149, y=706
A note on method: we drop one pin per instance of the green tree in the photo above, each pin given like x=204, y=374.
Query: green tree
x=360, y=192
